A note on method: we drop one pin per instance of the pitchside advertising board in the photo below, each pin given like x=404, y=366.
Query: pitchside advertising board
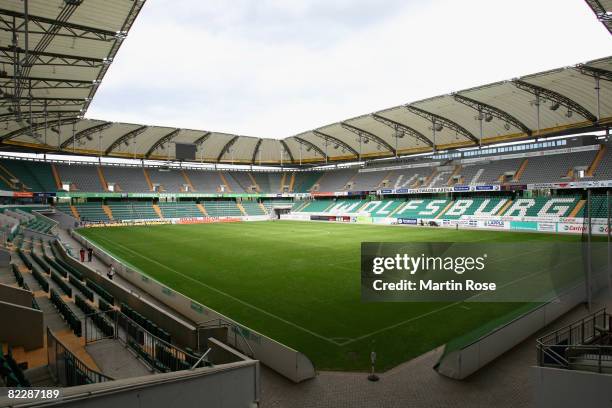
x=475, y=272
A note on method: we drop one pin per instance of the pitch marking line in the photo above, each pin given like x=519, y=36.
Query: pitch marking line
x=443, y=307
x=330, y=340
x=226, y=294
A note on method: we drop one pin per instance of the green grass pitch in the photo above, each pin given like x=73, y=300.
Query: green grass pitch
x=299, y=283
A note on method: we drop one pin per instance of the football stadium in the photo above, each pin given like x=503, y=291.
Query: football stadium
x=451, y=251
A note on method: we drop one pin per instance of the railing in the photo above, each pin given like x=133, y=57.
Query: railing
x=66, y=368
x=157, y=353
x=573, y=346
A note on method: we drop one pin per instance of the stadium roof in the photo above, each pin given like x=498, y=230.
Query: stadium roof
x=72, y=43
x=54, y=53
x=603, y=11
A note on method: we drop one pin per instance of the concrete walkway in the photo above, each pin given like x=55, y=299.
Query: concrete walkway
x=505, y=383
x=102, y=269
x=115, y=360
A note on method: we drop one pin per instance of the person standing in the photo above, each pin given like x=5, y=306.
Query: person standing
x=111, y=272
x=89, y=254
x=82, y=253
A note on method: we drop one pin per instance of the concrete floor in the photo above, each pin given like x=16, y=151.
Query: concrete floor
x=505, y=383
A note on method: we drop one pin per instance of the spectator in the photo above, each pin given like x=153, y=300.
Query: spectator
x=89, y=254
x=111, y=272
x=82, y=253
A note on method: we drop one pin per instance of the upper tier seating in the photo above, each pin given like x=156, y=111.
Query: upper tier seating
x=81, y=177
x=489, y=172
x=336, y=180
x=205, y=181
x=304, y=180
x=239, y=181
x=555, y=168
x=37, y=176
x=130, y=179
x=171, y=181
x=368, y=181
x=267, y=182
x=407, y=178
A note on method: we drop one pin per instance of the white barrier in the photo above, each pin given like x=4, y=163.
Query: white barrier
x=279, y=357
x=465, y=361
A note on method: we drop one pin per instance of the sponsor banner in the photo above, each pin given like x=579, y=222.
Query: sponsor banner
x=407, y=221
x=547, y=226
x=384, y=220
x=206, y=220
x=435, y=190
x=364, y=219
x=501, y=224
x=23, y=194
x=572, y=184
x=487, y=188
x=524, y=225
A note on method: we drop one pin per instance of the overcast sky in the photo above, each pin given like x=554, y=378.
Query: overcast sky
x=275, y=68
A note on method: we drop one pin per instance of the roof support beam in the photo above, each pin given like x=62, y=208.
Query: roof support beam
x=484, y=108
x=368, y=135
x=563, y=100
x=45, y=24
x=400, y=126
x=312, y=146
x=200, y=140
x=34, y=101
x=226, y=148
x=85, y=133
x=121, y=139
x=437, y=119
x=163, y=140
x=52, y=59
x=256, y=150
x=287, y=150
x=21, y=117
x=7, y=82
x=35, y=127
x=595, y=72
x=336, y=141
x=601, y=13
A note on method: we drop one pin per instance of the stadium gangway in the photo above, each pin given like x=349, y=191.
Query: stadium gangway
x=67, y=369
x=571, y=347
x=155, y=352
x=231, y=326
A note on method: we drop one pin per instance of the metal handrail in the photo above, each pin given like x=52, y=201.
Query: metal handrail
x=91, y=374
x=200, y=359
